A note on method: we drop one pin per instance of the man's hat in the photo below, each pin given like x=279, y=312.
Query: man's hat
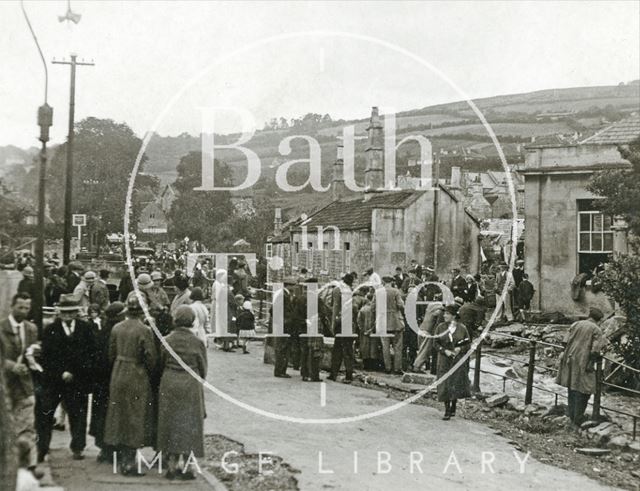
x=452, y=309
x=156, y=275
x=133, y=304
x=68, y=303
x=114, y=310
x=28, y=271
x=75, y=266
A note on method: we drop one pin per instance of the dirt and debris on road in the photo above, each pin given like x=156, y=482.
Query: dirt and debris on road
x=240, y=471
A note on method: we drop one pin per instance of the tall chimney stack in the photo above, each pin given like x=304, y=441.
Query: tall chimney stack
x=277, y=222
x=374, y=153
x=337, y=181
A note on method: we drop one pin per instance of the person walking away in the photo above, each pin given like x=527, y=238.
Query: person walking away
x=133, y=355
x=17, y=339
x=585, y=341
x=311, y=346
x=452, y=341
x=201, y=312
x=68, y=355
x=114, y=314
x=99, y=291
x=504, y=278
x=395, y=328
x=342, y=344
x=427, y=354
x=181, y=410
x=246, y=323
x=525, y=292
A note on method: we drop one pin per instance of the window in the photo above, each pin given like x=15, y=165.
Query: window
x=325, y=256
x=595, y=237
x=346, y=261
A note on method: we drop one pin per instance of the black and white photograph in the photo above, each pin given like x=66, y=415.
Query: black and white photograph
x=319, y=245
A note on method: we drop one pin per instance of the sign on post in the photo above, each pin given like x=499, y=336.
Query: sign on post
x=79, y=220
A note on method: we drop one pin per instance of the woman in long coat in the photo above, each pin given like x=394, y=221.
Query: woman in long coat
x=452, y=341
x=130, y=415
x=370, y=348
x=181, y=405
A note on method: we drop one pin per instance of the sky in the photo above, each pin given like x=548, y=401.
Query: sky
x=391, y=54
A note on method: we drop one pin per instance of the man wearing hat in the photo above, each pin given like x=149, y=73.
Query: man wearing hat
x=26, y=284
x=458, y=283
x=74, y=275
x=504, y=278
x=151, y=285
x=281, y=343
x=395, y=328
x=577, y=372
x=68, y=354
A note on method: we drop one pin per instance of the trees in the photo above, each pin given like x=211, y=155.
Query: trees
x=621, y=277
x=201, y=215
x=104, y=154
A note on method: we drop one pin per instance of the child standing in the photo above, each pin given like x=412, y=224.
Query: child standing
x=246, y=325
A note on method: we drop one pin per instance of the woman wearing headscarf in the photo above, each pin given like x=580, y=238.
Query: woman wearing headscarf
x=452, y=341
x=181, y=405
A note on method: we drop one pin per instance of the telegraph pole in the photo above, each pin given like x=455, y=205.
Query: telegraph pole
x=68, y=193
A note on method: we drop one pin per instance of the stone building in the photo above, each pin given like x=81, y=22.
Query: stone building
x=565, y=233
x=153, y=224
x=381, y=228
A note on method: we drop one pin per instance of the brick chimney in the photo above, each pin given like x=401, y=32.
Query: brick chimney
x=374, y=153
x=337, y=182
x=277, y=222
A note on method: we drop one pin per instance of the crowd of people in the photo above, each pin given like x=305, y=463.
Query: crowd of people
x=99, y=356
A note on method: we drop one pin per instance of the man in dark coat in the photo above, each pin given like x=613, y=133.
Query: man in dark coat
x=577, y=372
x=281, y=343
x=311, y=346
x=525, y=292
x=99, y=293
x=395, y=328
x=17, y=336
x=74, y=275
x=458, y=283
x=130, y=417
x=342, y=344
x=102, y=376
x=472, y=315
x=68, y=355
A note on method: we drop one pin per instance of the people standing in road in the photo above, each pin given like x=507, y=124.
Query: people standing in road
x=310, y=346
x=102, y=375
x=130, y=418
x=525, y=292
x=395, y=328
x=369, y=345
x=68, y=354
x=585, y=342
x=17, y=337
x=343, y=343
x=246, y=324
x=181, y=409
x=427, y=355
x=82, y=291
x=281, y=343
x=452, y=341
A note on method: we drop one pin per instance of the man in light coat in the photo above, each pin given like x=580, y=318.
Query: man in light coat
x=395, y=327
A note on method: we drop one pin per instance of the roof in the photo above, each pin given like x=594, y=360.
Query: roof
x=620, y=133
x=356, y=213
x=570, y=169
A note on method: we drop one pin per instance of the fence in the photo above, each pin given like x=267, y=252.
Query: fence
x=531, y=367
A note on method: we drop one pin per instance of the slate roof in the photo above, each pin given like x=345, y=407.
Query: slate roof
x=356, y=214
x=619, y=133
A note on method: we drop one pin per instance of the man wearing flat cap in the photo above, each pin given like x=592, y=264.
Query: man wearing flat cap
x=577, y=372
